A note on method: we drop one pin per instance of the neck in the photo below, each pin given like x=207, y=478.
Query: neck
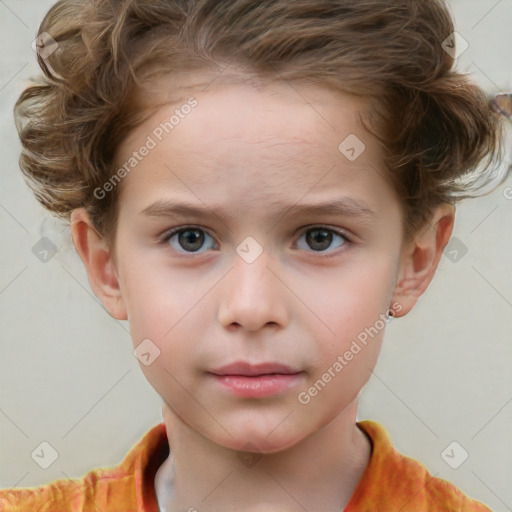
x=320, y=472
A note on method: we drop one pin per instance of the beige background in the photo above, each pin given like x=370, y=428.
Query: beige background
x=68, y=375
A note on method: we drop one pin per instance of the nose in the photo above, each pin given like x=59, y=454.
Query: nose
x=253, y=295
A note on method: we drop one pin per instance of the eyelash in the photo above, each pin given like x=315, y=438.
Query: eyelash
x=164, y=239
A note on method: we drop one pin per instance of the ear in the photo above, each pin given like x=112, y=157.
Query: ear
x=420, y=258
x=99, y=262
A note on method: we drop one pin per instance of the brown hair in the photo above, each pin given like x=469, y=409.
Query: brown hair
x=437, y=126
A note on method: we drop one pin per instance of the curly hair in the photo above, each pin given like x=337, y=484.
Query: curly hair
x=440, y=133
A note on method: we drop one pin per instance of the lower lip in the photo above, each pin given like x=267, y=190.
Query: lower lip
x=259, y=385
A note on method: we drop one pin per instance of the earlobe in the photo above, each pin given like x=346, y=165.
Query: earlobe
x=98, y=262
x=421, y=257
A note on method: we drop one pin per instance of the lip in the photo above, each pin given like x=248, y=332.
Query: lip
x=245, y=369
x=256, y=380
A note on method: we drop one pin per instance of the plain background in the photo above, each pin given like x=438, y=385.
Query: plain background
x=67, y=371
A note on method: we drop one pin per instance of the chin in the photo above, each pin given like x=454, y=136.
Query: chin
x=252, y=443
x=262, y=436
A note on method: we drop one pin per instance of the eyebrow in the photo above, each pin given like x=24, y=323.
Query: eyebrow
x=342, y=207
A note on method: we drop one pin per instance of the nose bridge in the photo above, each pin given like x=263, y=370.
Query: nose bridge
x=251, y=294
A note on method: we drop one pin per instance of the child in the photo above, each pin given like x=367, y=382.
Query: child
x=255, y=125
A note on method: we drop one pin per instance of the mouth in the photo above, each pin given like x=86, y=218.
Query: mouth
x=242, y=368
x=256, y=381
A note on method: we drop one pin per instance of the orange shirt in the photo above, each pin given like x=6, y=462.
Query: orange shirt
x=390, y=483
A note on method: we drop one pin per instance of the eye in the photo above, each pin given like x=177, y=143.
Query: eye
x=191, y=239
x=320, y=238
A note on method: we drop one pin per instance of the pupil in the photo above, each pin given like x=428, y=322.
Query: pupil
x=320, y=233
x=192, y=236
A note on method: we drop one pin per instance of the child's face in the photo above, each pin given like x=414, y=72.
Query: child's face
x=209, y=299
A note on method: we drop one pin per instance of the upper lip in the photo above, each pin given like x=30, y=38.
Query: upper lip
x=250, y=370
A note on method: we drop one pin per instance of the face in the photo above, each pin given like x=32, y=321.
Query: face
x=249, y=279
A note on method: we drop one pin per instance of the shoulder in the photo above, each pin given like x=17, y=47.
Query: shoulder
x=124, y=488
x=393, y=481
x=78, y=495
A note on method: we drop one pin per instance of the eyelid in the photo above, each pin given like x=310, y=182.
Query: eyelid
x=164, y=237
x=339, y=231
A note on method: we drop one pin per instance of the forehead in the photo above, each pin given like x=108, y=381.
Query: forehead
x=250, y=138
x=247, y=107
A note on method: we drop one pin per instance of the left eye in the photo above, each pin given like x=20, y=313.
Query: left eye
x=322, y=238
x=191, y=239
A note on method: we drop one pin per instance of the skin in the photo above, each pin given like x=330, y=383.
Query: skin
x=255, y=149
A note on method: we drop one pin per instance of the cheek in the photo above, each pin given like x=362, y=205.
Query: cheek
x=155, y=297
x=356, y=299
x=346, y=358
x=165, y=317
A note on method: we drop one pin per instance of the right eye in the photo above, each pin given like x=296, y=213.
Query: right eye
x=189, y=238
